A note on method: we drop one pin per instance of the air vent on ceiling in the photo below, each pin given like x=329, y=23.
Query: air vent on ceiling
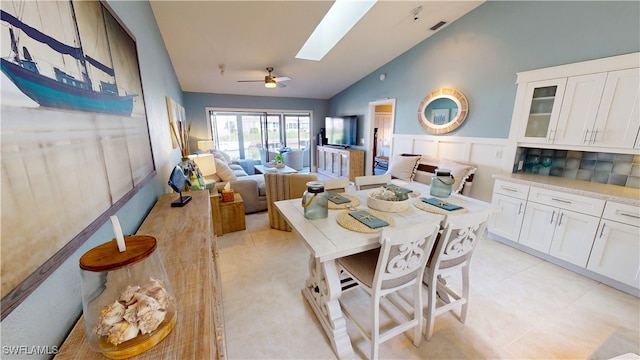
x=437, y=26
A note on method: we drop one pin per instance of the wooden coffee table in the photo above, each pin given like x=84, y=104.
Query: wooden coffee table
x=260, y=169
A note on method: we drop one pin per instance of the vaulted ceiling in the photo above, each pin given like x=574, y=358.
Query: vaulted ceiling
x=214, y=44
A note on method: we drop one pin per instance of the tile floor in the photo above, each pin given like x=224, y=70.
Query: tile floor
x=521, y=307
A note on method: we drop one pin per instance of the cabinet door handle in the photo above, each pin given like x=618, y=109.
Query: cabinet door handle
x=630, y=215
x=552, y=215
x=594, y=135
x=602, y=229
x=520, y=209
x=586, y=132
x=561, y=200
x=560, y=220
x=508, y=189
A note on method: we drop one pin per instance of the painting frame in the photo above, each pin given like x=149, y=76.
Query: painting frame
x=177, y=121
x=77, y=151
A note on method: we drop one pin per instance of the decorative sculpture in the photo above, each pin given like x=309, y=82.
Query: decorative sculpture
x=177, y=181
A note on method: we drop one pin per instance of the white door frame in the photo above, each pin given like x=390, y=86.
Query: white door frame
x=368, y=168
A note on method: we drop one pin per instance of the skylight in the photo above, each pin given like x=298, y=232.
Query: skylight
x=342, y=16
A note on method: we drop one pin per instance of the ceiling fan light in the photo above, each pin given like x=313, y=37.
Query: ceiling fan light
x=270, y=83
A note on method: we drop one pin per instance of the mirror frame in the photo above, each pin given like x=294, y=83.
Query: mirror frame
x=443, y=93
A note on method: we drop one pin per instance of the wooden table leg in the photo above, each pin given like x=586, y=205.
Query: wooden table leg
x=322, y=291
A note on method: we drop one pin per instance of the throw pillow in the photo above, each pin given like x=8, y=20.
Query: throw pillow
x=459, y=171
x=222, y=156
x=403, y=167
x=224, y=171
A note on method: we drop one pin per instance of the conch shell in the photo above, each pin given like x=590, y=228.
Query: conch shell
x=154, y=289
x=122, y=331
x=137, y=310
x=109, y=316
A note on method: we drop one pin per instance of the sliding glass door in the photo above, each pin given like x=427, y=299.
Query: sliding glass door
x=243, y=134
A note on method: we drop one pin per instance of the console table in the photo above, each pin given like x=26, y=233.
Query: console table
x=339, y=163
x=187, y=247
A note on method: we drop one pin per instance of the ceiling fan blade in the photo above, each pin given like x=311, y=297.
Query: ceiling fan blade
x=282, y=78
x=250, y=80
x=280, y=85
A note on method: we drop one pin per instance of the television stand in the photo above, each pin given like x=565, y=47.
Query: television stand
x=339, y=162
x=338, y=146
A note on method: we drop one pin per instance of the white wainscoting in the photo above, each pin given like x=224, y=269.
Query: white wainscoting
x=492, y=156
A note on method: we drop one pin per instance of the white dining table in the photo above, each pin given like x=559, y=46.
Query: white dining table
x=327, y=241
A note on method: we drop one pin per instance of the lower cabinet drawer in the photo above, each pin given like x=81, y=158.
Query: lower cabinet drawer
x=626, y=214
x=518, y=191
x=581, y=204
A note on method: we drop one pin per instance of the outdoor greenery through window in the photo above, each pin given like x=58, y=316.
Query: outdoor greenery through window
x=243, y=134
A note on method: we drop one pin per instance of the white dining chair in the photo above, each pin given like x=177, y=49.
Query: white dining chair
x=371, y=181
x=336, y=185
x=453, y=251
x=399, y=263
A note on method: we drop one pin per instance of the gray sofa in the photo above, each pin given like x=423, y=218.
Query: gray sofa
x=249, y=186
x=252, y=190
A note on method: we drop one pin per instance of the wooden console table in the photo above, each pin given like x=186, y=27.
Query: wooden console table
x=339, y=163
x=188, y=250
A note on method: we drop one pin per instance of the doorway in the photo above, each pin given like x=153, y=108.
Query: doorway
x=381, y=125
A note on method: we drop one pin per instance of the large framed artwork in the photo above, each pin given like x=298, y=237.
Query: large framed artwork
x=74, y=137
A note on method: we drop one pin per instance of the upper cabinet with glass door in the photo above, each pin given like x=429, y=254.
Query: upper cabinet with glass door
x=541, y=110
x=589, y=105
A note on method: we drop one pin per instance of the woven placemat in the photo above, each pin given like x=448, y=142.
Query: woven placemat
x=354, y=201
x=348, y=222
x=436, y=210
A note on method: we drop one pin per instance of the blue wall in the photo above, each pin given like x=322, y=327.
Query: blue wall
x=195, y=105
x=481, y=53
x=48, y=314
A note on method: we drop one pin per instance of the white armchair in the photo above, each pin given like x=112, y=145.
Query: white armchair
x=306, y=159
x=294, y=159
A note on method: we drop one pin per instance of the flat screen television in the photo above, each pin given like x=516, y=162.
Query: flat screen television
x=342, y=130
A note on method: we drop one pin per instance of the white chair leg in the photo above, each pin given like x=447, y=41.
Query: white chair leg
x=417, y=314
x=465, y=292
x=431, y=311
x=375, y=331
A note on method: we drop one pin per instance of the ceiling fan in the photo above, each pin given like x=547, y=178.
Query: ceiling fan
x=271, y=81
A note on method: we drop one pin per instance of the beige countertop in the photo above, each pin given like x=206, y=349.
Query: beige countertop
x=621, y=194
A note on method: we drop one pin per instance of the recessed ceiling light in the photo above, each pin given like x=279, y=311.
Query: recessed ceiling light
x=342, y=16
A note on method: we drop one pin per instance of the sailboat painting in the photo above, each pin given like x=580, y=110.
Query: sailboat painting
x=61, y=89
x=74, y=140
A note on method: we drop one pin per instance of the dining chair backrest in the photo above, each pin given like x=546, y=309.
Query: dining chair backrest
x=459, y=238
x=371, y=181
x=403, y=254
x=336, y=185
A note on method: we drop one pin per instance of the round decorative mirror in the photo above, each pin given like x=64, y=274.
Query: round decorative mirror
x=443, y=110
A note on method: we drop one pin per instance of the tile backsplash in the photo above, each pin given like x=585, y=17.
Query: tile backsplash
x=605, y=168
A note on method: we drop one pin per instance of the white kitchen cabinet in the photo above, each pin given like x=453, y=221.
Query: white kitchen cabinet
x=509, y=200
x=592, y=105
x=562, y=225
x=579, y=109
x=616, y=249
x=617, y=123
x=541, y=109
x=538, y=226
x=566, y=226
x=573, y=237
